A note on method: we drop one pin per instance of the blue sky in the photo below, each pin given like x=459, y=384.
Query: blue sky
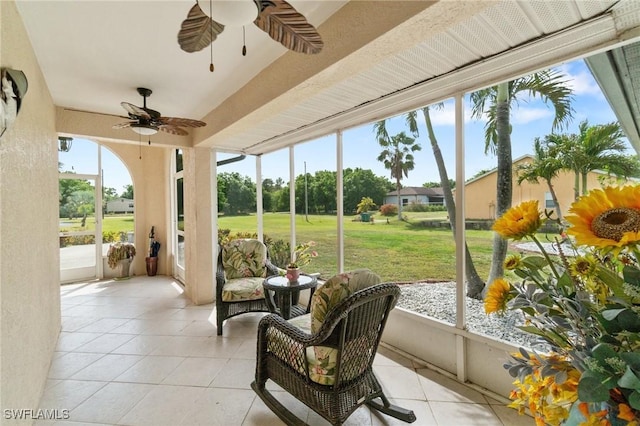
x=530, y=119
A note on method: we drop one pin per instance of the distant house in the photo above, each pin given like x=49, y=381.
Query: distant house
x=480, y=192
x=120, y=205
x=416, y=195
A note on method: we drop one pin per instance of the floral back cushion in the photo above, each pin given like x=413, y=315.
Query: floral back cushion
x=244, y=258
x=337, y=289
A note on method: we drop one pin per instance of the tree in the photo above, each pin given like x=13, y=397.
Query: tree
x=545, y=166
x=597, y=147
x=128, y=192
x=474, y=282
x=496, y=103
x=240, y=193
x=397, y=156
x=358, y=183
x=452, y=183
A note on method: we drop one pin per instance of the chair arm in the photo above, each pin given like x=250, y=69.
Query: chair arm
x=273, y=269
x=220, y=280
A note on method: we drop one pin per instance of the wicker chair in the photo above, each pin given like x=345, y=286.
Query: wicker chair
x=242, y=267
x=351, y=331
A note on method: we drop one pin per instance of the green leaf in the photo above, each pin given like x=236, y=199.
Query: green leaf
x=591, y=389
x=629, y=321
x=534, y=262
x=612, y=280
x=632, y=359
x=603, y=351
x=611, y=314
x=629, y=380
x=634, y=400
x=631, y=275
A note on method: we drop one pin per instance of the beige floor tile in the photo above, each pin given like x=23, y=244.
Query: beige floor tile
x=68, y=394
x=456, y=414
x=70, y=341
x=107, y=368
x=104, y=325
x=221, y=407
x=399, y=382
x=387, y=357
x=159, y=312
x=438, y=387
x=260, y=414
x=75, y=323
x=247, y=349
x=195, y=372
x=199, y=328
x=510, y=417
x=200, y=346
x=360, y=417
x=236, y=373
x=143, y=345
x=110, y=403
x=70, y=363
x=196, y=313
x=151, y=369
x=421, y=409
x=105, y=343
x=165, y=405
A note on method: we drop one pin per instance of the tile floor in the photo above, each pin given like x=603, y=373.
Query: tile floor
x=137, y=352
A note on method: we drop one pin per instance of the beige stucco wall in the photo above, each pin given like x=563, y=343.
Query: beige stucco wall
x=149, y=169
x=29, y=254
x=480, y=194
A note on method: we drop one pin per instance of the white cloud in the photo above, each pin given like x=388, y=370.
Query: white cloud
x=582, y=82
x=524, y=115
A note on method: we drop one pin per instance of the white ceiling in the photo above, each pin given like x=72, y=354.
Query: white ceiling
x=95, y=53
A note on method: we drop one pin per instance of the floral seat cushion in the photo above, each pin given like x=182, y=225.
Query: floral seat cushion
x=335, y=290
x=321, y=360
x=244, y=259
x=249, y=288
x=244, y=269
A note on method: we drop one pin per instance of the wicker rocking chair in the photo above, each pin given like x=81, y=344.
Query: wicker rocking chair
x=329, y=370
x=242, y=267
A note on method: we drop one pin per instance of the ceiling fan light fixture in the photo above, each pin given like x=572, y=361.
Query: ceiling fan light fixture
x=235, y=13
x=144, y=129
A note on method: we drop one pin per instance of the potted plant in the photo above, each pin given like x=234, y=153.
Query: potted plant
x=301, y=256
x=152, y=259
x=120, y=255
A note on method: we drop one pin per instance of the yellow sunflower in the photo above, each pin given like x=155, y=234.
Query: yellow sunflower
x=520, y=221
x=607, y=218
x=497, y=296
x=583, y=267
x=512, y=262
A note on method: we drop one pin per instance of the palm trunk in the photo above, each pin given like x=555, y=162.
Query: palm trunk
x=576, y=186
x=554, y=197
x=474, y=282
x=399, y=201
x=584, y=183
x=504, y=187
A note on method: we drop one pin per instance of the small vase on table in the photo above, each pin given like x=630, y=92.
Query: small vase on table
x=293, y=274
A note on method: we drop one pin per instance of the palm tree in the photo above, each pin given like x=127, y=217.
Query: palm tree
x=598, y=147
x=397, y=156
x=545, y=166
x=496, y=102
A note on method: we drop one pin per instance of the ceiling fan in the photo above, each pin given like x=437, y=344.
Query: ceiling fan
x=147, y=121
x=277, y=18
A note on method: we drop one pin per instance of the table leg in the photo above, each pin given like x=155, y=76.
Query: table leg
x=285, y=304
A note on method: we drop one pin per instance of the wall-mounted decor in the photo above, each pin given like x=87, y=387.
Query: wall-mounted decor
x=14, y=88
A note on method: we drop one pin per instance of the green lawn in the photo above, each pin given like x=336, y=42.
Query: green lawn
x=112, y=223
x=397, y=251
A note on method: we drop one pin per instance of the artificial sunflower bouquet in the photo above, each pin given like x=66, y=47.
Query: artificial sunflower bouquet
x=583, y=303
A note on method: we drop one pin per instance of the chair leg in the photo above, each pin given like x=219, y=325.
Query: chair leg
x=220, y=319
x=392, y=410
x=274, y=405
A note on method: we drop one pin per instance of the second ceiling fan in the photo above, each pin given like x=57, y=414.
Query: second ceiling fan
x=277, y=18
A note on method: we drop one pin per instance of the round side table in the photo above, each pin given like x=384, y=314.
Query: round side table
x=282, y=296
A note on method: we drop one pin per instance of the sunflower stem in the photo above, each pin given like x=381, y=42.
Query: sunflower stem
x=546, y=256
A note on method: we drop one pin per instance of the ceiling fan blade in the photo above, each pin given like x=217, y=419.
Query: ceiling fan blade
x=174, y=130
x=198, y=30
x=182, y=122
x=287, y=26
x=135, y=111
x=123, y=125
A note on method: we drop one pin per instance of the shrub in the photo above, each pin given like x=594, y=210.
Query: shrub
x=418, y=207
x=365, y=205
x=388, y=210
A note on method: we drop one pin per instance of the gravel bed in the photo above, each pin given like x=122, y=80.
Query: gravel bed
x=438, y=300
